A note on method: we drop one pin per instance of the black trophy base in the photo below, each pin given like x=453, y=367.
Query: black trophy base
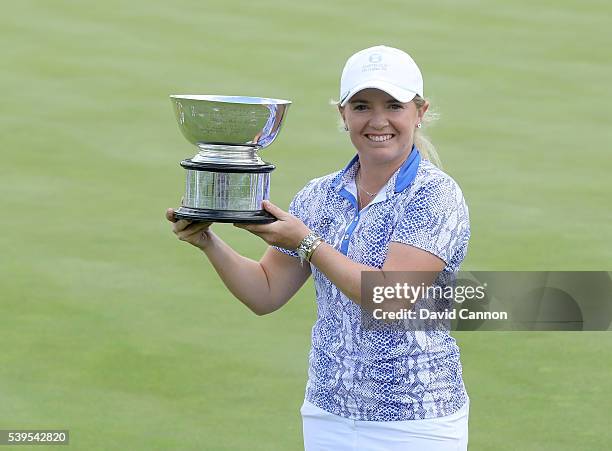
x=231, y=216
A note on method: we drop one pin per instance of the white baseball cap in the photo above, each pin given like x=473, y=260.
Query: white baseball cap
x=381, y=67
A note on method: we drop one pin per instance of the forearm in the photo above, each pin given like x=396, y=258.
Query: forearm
x=245, y=278
x=343, y=272
x=405, y=265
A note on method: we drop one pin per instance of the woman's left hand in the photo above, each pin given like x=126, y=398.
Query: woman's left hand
x=287, y=232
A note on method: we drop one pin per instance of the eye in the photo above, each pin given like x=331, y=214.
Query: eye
x=360, y=107
x=396, y=106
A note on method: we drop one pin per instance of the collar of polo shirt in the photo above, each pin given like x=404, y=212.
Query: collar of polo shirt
x=405, y=175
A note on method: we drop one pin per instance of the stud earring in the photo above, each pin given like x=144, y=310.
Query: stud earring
x=345, y=128
x=419, y=125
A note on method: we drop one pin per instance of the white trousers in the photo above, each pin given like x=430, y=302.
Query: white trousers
x=324, y=431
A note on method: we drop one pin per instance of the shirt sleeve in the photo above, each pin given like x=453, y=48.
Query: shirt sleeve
x=436, y=220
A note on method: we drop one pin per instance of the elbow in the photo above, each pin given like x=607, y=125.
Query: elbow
x=261, y=310
x=260, y=307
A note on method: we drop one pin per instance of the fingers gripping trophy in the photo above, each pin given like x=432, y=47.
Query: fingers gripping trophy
x=226, y=181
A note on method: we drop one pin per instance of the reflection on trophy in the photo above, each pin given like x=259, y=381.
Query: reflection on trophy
x=226, y=179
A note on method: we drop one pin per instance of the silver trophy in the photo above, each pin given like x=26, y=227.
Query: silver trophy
x=226, y=180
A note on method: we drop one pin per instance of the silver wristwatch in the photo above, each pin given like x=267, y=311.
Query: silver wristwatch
x=308, y=245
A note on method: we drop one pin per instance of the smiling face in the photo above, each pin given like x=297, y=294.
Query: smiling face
x=380, y=127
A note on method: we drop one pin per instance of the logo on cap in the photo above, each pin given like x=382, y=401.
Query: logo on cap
x=375, y=58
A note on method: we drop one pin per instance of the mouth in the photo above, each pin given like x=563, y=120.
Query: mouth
x=379, y=138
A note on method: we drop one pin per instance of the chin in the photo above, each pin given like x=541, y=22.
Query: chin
x=380, y=155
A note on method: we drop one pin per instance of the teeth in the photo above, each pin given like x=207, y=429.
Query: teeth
x=379, y=138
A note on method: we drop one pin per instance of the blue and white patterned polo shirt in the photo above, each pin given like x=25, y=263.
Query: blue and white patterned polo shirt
x=383, y=375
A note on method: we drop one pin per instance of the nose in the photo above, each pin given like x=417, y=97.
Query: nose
x=378, y=120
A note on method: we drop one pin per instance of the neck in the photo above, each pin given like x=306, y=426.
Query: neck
x=373, y=175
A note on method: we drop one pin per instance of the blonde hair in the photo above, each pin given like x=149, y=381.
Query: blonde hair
x=421, y=140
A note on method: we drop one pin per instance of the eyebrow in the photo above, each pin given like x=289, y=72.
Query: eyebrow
x=365, y=101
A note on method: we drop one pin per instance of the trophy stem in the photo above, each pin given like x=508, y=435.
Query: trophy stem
x=220, y=154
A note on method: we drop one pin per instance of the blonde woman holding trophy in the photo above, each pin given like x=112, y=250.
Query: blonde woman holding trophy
x=390, y=209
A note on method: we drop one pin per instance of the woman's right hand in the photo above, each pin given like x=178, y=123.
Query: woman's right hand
x=194, y=233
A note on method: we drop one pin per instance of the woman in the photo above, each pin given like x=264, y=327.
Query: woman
x=390, y=209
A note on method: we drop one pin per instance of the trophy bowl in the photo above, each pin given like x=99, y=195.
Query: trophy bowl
x=226, y=180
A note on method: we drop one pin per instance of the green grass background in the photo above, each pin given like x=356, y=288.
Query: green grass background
x=113, y=329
